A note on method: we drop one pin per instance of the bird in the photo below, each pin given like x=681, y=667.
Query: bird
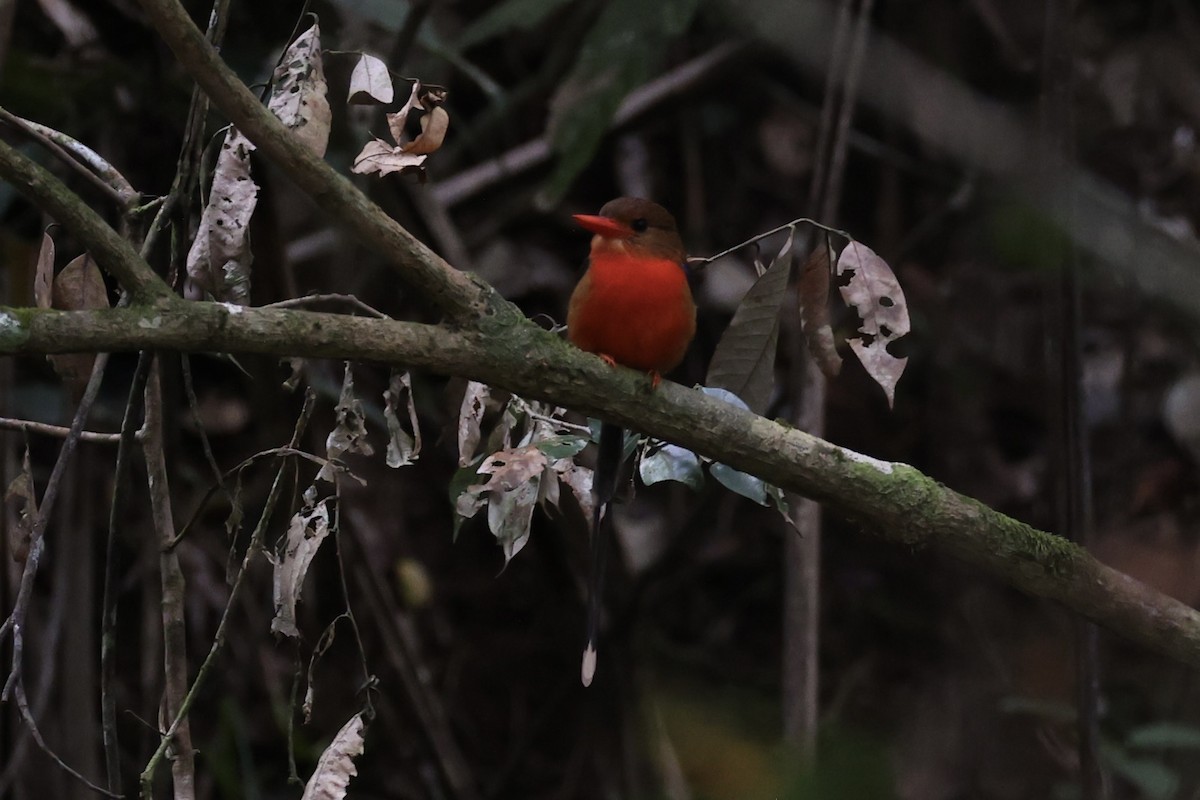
x=633, y=308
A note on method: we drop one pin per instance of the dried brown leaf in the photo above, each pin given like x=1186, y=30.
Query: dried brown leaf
x=370, y=82
x=79, y=287
x=349, y=434
x=434, y=125
x=380, y=157
x=511, y=492
x=43, y=276
x=307, y=529
x=813, y=290
x=875, y=294
x=299, y=89
x=403, y=447
x=336, y=767
x=21, y=496
x=470, y=415
x=219, y=260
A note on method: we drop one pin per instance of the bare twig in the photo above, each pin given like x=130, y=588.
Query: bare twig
x=15, y=623
x=179, y=716
x=16, y=620
x=79, y=157
x=316, y=299
x=110, y=249
x=686, y=76
x=108, y=614
x=27, y=716
x=28, y=426
x=705, y=260
x=173, y=585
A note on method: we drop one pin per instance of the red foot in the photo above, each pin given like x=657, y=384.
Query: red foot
x=655, y=379
x=607, y=359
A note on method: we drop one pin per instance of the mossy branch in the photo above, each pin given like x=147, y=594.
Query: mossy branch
x=891, y=500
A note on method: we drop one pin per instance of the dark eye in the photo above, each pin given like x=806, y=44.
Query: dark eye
x=639, y=225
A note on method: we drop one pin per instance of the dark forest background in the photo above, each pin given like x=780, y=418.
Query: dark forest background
x=935, y=684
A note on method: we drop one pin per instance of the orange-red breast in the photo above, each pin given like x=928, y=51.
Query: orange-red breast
x=632, y=307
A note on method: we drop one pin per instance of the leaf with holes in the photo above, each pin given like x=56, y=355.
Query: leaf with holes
x=308, y=528
x=349, y=434
x=298, y=92
x=218, y=263
x=875, y=294
x=744, y=362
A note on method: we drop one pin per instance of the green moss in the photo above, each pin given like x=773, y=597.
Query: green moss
x=14, y=327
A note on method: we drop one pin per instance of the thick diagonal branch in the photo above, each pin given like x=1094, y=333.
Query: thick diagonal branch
x=894, y=501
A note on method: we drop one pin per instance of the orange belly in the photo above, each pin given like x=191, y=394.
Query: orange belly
x=637, y=312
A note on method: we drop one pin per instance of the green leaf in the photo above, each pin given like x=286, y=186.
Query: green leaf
x=562, y=446
x=744, y=361
x=672, y=463
x=1154, y=780
x=1164, y=736
x=621, y=51
x=507, y=16
x=743, y=483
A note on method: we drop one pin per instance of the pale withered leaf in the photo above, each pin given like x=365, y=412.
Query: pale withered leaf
x=370, y=82
x=21, y=497
x=403, y=447
x=336, y=767
x=307, y=529
x=349, y=434
x=218, y=263
x=875, y=294
x=470, y=415
x=298, y=92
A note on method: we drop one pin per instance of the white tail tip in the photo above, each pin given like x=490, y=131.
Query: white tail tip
x=589, y=665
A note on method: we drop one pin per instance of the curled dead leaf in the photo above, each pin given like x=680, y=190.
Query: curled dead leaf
x=307, y=529
x=470, y=415
x=21, y=497
x=349, y=434
x=813, y=292
x=336, y=767
x=403, y=447
x=434, y=125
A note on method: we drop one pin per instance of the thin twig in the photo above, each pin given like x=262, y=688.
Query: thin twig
x=759, y=237
x=108, y=614
x=79, y=157
x=256, y=540
x=16, y=620
x=316, y=299
x=174, y=625
x=58, y=431
x=471, y=181
x=23, y=705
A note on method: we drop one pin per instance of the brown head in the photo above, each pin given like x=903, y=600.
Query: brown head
x=634, y=225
